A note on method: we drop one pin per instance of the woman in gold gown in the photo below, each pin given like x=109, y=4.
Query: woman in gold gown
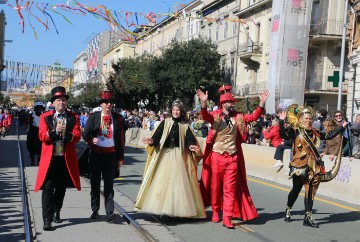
x=170, y=183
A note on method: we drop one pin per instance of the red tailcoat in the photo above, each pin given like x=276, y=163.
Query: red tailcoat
x=243, y=207
x=47, y=124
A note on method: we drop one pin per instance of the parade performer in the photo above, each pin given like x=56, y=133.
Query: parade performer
x=306, y=167
x=59, y=130
x=170, y=185
x=33, y=142
x=104, y=133
x=223, y=179
x=1, y=122
x=6, y=122
x=9, y=120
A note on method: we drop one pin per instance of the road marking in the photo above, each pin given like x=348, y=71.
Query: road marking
x=303, y=194
x=243, y=227
x=119, y=178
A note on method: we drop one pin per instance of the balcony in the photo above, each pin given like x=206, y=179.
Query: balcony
x=250, y=89
x=326, y=29
x=322, y=84
x=250, y=51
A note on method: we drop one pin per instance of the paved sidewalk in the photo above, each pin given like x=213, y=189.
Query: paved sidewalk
x=77, y=225
x=11, y=214
x=76, y=211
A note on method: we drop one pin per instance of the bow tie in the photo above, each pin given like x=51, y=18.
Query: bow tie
x=60, y=115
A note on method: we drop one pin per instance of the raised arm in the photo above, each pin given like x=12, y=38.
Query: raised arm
x=204, y=113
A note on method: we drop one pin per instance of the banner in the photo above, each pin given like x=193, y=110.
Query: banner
x=289, y=41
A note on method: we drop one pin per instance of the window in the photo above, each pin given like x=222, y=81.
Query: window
x=234, y=28
x=217, y=32
x=258, y=39
x=225, y=29
x=191, y=28
x=210, y=33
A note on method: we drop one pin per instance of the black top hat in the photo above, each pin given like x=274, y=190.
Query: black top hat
x=106, y=96
x=58, y=91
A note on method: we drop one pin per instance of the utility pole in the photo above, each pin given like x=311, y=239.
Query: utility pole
x=342, y=56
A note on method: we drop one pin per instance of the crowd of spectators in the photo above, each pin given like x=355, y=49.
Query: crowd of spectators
x=265, y=131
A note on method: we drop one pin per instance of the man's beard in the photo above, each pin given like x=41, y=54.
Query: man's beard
x=230, y=109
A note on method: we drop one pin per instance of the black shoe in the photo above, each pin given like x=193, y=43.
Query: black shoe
x=57, y=218
x=309, y=220
x=109, y=217
x=287, y=215
x=94, y=215
x=47, y=224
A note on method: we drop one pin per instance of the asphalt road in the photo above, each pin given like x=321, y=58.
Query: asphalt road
x=338, y=221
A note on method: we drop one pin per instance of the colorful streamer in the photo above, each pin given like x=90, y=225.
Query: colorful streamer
x=112, y=18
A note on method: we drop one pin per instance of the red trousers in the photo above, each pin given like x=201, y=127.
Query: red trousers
x=224, y=173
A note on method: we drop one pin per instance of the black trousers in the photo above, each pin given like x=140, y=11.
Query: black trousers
x=279, y=152
x=33, y=142
x=54, y=187
x=295, y=191
x=102, y=164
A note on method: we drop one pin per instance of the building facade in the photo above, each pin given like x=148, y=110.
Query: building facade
x=80, y=73
x=323, y=57
x=123, y=49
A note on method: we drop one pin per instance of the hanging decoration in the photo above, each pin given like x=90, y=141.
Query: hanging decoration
x=118, y=21
x=31, y=77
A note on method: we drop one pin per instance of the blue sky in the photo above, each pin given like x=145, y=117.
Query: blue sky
x=71, y=40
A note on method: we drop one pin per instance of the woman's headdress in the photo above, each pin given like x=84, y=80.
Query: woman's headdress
x=294, y=112
x=178, y=103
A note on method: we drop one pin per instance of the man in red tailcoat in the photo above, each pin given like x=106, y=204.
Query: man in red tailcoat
x=223, y=180
x=59, y=130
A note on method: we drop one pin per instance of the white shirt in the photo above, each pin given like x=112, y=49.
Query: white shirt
x=107, y=142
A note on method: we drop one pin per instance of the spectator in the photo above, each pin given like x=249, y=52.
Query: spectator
x=286, y=144
x=318, y=124
x=272, y=134
x=339, y=118
x=157, y=121
x=253, y=137
x=357, y=118
x=202, y=127
x=332, y=146
x=355, y=130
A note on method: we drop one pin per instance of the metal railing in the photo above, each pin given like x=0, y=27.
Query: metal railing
x=25, y=203
x=250, y=89
x=250, y=48
x=326, y=27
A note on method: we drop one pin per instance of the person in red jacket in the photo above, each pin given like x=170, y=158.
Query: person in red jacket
x=59, y=130
x=6, y=122
x=9, y=119
x=223, y=180
x=272, y=134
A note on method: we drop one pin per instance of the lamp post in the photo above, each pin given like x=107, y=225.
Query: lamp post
x=2, y=66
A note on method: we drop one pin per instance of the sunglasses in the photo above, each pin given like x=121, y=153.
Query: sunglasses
x=106, y=102
x=339, y=115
